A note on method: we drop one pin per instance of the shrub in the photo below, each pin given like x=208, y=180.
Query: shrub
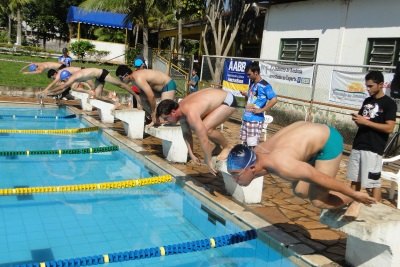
x=82, y=48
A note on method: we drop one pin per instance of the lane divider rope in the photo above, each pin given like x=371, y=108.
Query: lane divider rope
x=38, y=117
x=86, y=187
x=50, y=131
x=61, y=151
x=180, y=248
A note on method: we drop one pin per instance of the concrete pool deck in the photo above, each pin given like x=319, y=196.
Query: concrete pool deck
x=292, y=215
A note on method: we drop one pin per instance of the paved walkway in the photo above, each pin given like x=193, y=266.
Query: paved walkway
x=279, y=206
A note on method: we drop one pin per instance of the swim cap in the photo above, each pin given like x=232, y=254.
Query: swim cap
x=240, y=157
x=138, y=63
x=64, y=75
x=32, y=67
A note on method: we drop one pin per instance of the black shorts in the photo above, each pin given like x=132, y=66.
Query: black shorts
x=103, y=76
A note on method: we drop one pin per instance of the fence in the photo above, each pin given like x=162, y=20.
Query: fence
x=299, y=102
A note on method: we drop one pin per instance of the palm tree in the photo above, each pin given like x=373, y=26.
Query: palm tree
x=15, y=7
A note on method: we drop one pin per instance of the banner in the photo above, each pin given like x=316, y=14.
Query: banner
x=287, y=74
x=349, y=87
x=235, y=77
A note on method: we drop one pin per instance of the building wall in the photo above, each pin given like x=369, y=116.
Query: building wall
x=342, y=27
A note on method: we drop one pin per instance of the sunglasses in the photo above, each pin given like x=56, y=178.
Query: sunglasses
x=123, y=77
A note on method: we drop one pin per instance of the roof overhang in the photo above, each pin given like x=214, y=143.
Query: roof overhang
x=98, y=18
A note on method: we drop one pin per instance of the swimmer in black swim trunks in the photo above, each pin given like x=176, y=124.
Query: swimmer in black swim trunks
x=101, y=76
x=201, y=112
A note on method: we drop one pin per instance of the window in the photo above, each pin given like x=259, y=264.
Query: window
x=383, y=51
x=299, y=49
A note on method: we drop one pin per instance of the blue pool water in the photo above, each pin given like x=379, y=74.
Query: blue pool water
x=56, y=226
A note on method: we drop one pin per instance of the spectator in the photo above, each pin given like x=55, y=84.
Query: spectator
x=260, y=98
x=194, y=82
x=375, y=120
x=65, y=58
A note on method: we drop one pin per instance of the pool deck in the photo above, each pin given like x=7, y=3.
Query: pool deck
x=293, y=215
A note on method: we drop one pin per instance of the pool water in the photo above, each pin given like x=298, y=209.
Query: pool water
x=56, y=226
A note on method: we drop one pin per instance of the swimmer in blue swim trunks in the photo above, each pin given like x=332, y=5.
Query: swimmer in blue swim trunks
x=201, y=112
x=153, y=83
x=306, y=154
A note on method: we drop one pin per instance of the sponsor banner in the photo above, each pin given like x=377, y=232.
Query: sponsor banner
x=235, y=77
x=287, y=74
x=349, y=87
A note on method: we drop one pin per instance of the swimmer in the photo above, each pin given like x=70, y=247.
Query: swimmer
x=101, y=76
x=152, y=83
x=40, y=67
x=306, y=154
x=201, y=112
x=56, y=77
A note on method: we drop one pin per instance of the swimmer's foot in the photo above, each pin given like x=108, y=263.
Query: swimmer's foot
x=224, y=153
x=353, y=210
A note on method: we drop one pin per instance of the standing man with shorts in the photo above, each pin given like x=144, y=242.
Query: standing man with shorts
x=260, y=98
x=375, y=120
x=65, y=58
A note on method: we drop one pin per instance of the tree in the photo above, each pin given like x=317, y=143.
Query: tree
x=15, y=7
x=223, y=21
x=138, y=12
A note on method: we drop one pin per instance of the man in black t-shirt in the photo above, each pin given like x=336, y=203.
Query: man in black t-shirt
x=375, y=120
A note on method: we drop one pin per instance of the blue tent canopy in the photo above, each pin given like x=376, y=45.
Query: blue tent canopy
x=98, y=18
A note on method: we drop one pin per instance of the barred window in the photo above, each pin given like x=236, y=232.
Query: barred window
x=383, y=51
x=299, y=49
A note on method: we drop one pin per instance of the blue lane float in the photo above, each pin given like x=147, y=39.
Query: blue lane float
x=38, y=117
x=185, y=247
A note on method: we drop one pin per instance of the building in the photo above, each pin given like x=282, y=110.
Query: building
x=353, y=32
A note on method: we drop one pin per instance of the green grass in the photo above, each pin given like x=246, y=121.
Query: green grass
x=10, y=76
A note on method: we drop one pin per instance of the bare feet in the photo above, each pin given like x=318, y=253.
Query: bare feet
x=224, y=153
x=353, y=210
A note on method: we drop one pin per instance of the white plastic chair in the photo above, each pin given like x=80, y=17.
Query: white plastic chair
x=268, y=120
x=393, y=177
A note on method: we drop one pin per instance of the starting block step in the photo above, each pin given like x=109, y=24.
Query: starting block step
x=173, y=144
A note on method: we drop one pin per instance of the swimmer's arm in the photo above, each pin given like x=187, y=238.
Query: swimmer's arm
x=62, y=86
x=145, y=88
x=188, y=137
x=200, y=129
x=51, y=85
x=302, y=171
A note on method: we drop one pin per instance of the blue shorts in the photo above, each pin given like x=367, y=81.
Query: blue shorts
x=170, y=86
x=333, y=146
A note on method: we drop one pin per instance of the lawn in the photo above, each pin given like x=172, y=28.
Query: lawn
x=10, y=76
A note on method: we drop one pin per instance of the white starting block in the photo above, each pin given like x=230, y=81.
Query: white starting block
x=373, y=238
x=84, y=97
x=133, y=120
x=106, y=110
x=250, y=194
x=173, y=144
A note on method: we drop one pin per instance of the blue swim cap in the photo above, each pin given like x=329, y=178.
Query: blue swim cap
x=138, y=63
x=64, y=75
x=32, y=67
x=240, y=157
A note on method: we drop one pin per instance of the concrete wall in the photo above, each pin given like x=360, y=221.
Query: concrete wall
x=117, y=51
x=342, y=27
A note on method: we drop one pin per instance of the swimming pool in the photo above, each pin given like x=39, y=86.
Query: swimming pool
x=74, y=225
